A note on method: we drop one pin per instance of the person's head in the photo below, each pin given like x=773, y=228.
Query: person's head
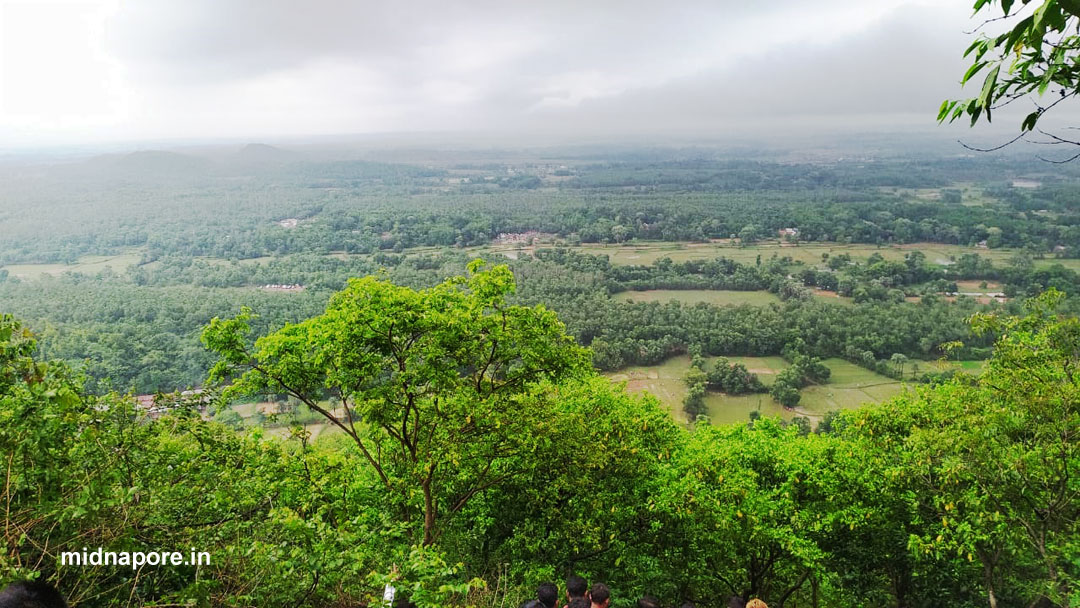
x=31, y=594
x=576, y=587
x=688, y=605
x=648, y=601
x=579, y=602
x=600, y=595
x=756, y=603
x=548, y=594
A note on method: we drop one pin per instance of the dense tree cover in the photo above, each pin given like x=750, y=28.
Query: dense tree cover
x=646, y=333
x=989, y=467
x=170, y=204
x=426, y=379
x=208, y=233
x=141, y=330
x=961, y=493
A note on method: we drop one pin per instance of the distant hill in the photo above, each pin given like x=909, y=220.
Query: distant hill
x=156, y=163
x=256, y=153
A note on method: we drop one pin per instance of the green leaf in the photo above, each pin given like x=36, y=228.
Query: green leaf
x=943, y=111
x=974, y=69
x=986, y=96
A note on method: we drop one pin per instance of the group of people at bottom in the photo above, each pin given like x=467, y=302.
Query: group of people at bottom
x=580, y=595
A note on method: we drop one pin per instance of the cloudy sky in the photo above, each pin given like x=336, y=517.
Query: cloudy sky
x=79, y=71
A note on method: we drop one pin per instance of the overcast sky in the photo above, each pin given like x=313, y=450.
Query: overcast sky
x=79, y=71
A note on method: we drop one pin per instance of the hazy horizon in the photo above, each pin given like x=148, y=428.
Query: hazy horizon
x=106, y=73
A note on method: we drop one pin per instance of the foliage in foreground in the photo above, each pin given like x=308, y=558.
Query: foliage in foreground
x=962, y=494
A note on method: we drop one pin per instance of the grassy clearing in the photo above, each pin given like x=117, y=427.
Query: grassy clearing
x=973, y=367
x=832, y=297
x=765, y=367
x=88, y=264
x=693, y=296
x=647, y=252
x=317, y=429
x=243, y=262
x=850, y=387
x=976, y=286
x=664, y=381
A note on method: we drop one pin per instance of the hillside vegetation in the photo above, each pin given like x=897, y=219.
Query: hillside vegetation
x=481, y=454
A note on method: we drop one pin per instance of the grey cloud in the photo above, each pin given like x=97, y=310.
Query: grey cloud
x=208, y=40
x=556, y=66
x=905, y=64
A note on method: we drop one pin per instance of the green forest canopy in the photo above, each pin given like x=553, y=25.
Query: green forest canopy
x=959, y=493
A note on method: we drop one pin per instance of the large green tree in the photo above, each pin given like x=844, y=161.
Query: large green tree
x=440, y=387
x=991, y=465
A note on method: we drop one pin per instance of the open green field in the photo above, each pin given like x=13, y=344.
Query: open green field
x=88, y=264
x=243, y=262
x=849, y=387
x=664, y=381
x=765, y=367
x=973, y=367
x=283, y=428
x=639, y=253
x=832, y=297
x=317, y=429
x=647, y=252
x=694, y=296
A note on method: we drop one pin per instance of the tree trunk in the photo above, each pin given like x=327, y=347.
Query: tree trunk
x=429, y=513
x=988, y=575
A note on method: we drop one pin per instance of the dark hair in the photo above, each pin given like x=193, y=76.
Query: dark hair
x=576, y=586
x=648, y=601
x=599, y=593
x=688, y=605
x=548, y=594
x=579, y=602
x=31, y=594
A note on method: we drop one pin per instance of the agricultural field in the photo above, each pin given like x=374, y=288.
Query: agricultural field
x=663, y=381
x=647, y=252
x=282, y=428
x=973, y=367
x=87, y=264
x=694, y=296
x=849, y=387
x=833, y=297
